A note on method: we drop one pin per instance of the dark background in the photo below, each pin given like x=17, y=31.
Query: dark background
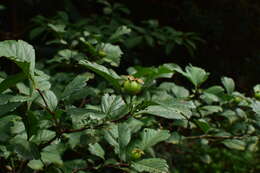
x=231, y=29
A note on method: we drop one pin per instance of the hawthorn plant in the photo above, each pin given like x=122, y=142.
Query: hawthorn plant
x=101, y=121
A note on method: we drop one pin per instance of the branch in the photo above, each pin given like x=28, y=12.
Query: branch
x=47, y=108
x=215, y=137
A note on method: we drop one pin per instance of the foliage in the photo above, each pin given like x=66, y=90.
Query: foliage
x=78, y=112
x=89, y=127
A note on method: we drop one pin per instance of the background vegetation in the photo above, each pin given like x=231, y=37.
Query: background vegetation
x=108, y=86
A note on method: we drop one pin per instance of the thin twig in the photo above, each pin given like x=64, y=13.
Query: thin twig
x=215, y=137
x=47, y=108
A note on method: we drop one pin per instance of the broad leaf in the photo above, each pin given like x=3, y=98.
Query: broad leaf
x=107, y=74
x=153, y=165
x=162, y=111
x=195, y=74
x=152, y=73
x=20, y=53
x=114, y=106
x=11, y=81
x=24, y=148
x=76, y=85
x=150, y=137
x=229, y=84
x=36, y=164
x=50, y=99
x=234, y=144
x=51, y=157
x=97, y=150
x=113, y=54
x=122, y=30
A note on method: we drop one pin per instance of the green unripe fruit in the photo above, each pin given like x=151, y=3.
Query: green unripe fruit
x=257, y=95
x=132, y=87
x=237, y=99
x=102, y=53
x=136, y=153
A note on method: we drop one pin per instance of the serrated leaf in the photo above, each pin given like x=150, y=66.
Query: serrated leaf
x=83, y=117
x=20, y=53
x=210, y=109
x=229, y=84
x=256, y=107
x=51, y=157
x=122, y=30
x=72, y=165
x=114, y=106
x=24, y=148
x=203, y=125
x=75, y=85
x=43, y=136
x=124, y=137
x=118, y=136
x=50, y=99
x=113, y=54
x=153, y=165
x=234, y=144
x=177, y=90
x=152, y=73
x=194, y=74
x=9, y=107
x=36, y=164
x=97, y=150
x=162, y=111
x=150, y=137
x=257, y=88
x=6, y=125
x=11, y=81
x=107, y=74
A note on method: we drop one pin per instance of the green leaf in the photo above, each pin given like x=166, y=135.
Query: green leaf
x=257, y=88
x=124, y=137
x=11, y=81
x=97, y=150
x=24, y=148
x=172, y=88
x=66, y=55
x=153, y=165
x=36, y=164
x=9, y=107
x=36, y=32
x=122, y=30
x=113, y=54
x=152, y=73
x=114, y=106
x=119, y=137
x=229, y=84
x=162, y=111
x=51, y=157
x=234, y=144
x=72, y=165
x=175, y=138
x=150, y=137
x=256, y=107
x=6, y=125
x=107, y=74
x=203, y=125
x=50, y=99
x=43, y=136
x=20, y=53
x=195, y=74
x=111, y=135
x=76, y=85
x=85, y=117
x=210, y=109
x=60, y=28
